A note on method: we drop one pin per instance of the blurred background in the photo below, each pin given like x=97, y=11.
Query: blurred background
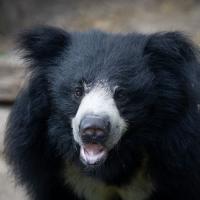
x=109, y=15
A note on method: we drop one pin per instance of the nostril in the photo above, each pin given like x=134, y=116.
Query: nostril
x=93, y=132
x=99, y=132
x=93, y=137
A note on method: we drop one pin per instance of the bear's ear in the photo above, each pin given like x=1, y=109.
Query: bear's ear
x=43, y=43
x=173, y=59
x=170, y=48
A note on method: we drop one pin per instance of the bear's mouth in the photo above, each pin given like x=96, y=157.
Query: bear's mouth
x=93, y=154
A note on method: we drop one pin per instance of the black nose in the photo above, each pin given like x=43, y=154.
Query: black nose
x=94, y=128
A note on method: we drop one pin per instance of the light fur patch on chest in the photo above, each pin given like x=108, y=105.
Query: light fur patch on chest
x=90, y=188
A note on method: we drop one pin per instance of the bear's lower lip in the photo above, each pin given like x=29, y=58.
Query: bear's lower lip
x=91, y=154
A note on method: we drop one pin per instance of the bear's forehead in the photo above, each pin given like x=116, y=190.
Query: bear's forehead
x=98, y=56
x=100, y=49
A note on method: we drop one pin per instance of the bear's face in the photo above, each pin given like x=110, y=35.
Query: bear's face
x=107, y=97
x=103, y=91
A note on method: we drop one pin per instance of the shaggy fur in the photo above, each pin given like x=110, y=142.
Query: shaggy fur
x=159, y=77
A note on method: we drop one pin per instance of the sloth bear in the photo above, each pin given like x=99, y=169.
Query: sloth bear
x=107, y=116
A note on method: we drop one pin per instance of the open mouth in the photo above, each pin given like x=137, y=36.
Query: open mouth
x=93, y=154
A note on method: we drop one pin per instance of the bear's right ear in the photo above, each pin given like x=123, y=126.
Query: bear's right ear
x=43, y=43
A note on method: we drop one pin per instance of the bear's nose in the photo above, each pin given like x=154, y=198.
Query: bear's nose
x=94, y=128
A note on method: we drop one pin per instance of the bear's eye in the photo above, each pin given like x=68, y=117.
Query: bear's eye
x=120, y=93
x=78, y=92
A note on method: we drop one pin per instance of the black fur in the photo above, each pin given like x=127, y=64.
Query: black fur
x=160, y=75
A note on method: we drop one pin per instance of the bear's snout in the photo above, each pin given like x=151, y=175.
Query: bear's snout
x=94, y=129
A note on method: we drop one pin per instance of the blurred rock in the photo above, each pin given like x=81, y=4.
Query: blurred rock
x=4, y=111
x=11, y=77
x=8, y=189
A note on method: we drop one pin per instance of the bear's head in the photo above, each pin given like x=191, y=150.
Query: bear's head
x=108, y=97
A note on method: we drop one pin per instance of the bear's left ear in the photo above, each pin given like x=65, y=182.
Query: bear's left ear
x=170, y=48
x=43, y=43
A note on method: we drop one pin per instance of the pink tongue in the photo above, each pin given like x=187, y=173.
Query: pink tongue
x=92, y=153
x=93, y=149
